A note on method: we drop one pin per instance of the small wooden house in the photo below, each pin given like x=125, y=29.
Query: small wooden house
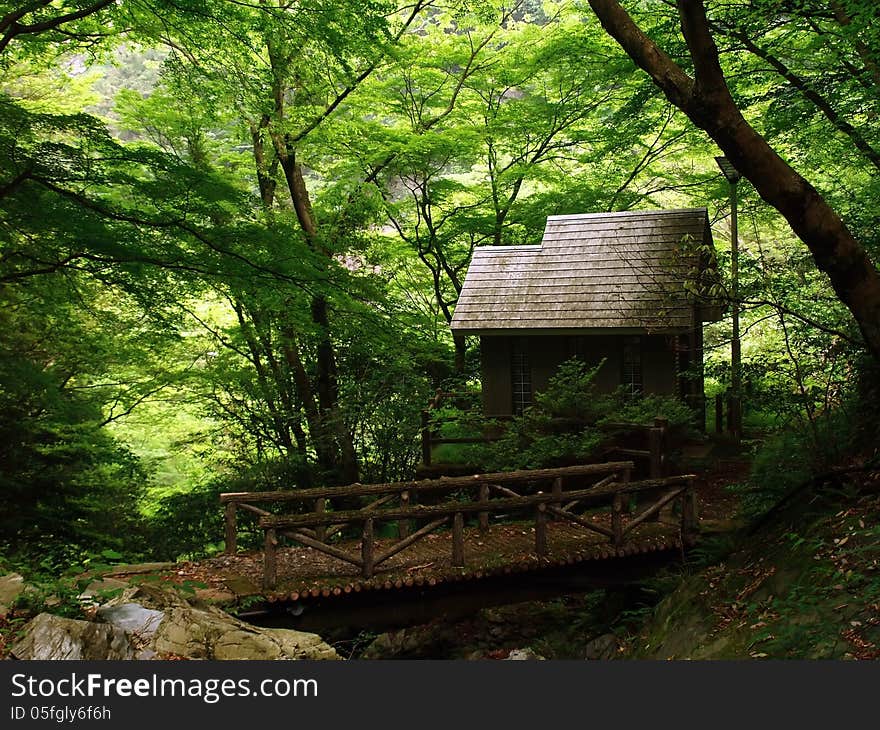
x=629, y=288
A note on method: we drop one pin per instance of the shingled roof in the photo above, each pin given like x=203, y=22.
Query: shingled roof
x=623, y=271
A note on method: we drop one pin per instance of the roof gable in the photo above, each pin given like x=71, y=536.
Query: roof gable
x=591, y=271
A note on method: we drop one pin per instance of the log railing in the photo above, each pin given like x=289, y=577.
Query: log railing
x=485, y=495
x=431, y=431
x=406, y=494
x=655, y=451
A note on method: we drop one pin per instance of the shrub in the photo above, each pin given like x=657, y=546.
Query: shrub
x=567, y=423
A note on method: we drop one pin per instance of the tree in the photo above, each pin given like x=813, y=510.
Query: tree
x=707, y=101
x=279, y=73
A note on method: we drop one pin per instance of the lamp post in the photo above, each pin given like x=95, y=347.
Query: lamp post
x=735, y=406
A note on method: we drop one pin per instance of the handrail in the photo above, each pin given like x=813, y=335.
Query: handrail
x=584, y=496
x=405, y=491
x=439, y=484
x=546, y=505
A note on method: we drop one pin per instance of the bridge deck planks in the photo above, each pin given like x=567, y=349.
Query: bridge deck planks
x=305, y=574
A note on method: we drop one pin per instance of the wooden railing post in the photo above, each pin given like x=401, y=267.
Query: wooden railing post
x=426, y=438
x=367, y=553
x=320, y=507
x=404, y=526
x=625, y=478
x=458, y=540
x=231, y=529
x=655, y=447
x=541, y=530
x=556, y=491
x=689, y=521
x=617, y=519
x=483, y=516
x=270, y=568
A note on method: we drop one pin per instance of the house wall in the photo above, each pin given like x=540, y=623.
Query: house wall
x=547, y=352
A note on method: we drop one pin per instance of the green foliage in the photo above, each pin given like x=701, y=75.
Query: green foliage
x=59, y=469
x=566, y=424
x=788, y=460
x=645, y=408
x=56, y=581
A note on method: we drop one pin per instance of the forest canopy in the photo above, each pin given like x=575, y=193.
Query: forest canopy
x=233, y=235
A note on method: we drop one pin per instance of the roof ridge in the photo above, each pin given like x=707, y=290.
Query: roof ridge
x=622, y=213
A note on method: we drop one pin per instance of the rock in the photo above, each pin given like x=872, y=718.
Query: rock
x=132, y=617
x=602, y=647
x=11, y=586
x=149, y=622
x=98, y=590
x=414, y=642
x=214, y=595
x=53, y=637
x=197, y=631
x=402, y=642
x=209, y=633
x=241, y=586
x=519, y=655
x=139, y=568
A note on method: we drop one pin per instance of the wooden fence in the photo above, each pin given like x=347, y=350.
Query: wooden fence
x=481, y=496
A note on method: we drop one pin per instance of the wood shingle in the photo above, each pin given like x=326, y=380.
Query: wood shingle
x=622, y=271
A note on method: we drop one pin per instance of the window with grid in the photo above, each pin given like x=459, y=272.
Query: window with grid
x=631, y=376
x=520, y=377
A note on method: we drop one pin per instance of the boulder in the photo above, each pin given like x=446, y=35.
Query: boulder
x=519, y=655
x=174, y=626
x=133, y=618
x=401, y=643
x=602, y=647
x=147, y=622
x=53, y=637
x=209, y=633
x=99, y=590
x=11, y=586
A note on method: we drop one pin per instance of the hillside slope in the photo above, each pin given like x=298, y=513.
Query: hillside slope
x=804, y=585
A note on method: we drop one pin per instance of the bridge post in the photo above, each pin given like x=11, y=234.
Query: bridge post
x=657, y=447
x=426, y=438
x=321, y=530
x=557, y=495
x=404, y=526
x=270, y=546
x=367, y=555
x=458, y=540
x=617, y=519
x=541, y=530
x=483, y=516
x=656, y=437
x=231, y=528
x=689, y=521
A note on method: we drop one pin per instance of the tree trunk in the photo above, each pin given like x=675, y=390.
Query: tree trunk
x=707, y=102
x=332, y=424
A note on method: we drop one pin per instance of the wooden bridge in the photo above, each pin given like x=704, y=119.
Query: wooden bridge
x=421, y=534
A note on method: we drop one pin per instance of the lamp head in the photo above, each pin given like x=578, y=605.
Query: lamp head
x=730, y=172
